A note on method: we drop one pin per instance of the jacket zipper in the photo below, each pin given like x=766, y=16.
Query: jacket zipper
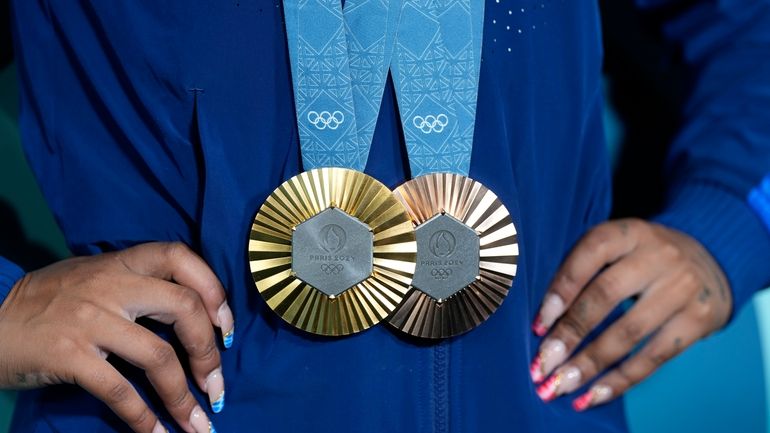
x=441, y=387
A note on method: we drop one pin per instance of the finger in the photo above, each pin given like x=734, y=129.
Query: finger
x=175, y=261
x=616, y=283
x=158, y=359
x=103, y=381
x=646, y=316
x=604, y=244
x=676, y=335
x=174, y=304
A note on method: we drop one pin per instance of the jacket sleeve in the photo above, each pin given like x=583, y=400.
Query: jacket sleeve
x=717, y=167
x=9, y=275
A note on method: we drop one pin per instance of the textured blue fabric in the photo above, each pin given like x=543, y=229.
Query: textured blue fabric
x=174, y=120
x=722, y=152
x=9, y=275
x=720, y=221
x=759, y=199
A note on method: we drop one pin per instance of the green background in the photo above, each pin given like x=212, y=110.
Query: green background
x=716, y=386
x=18, y=187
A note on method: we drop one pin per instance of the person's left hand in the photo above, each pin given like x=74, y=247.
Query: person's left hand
x=683, y=296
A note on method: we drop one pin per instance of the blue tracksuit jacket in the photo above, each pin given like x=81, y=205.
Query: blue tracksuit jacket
x=173, y=120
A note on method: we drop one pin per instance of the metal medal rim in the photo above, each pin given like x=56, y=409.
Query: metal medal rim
x=299, y=303
x=479, y=208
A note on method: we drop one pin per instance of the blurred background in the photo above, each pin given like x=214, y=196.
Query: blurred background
x=717, y=386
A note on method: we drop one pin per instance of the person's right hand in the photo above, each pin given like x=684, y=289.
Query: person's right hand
x=59, y=324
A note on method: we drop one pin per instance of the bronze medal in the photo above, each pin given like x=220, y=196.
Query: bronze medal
x=467, y=251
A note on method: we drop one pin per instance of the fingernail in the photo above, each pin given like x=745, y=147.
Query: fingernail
x=215, y=387
x=547, y=391
x=226, y=324
x=598, y=394
x=536, y=369
x=552, y=353
x=564, y=381
x=537, y=326
x=200, y=422
x=552, y=309
x=570, y=380
x=228, y=337
x=159, y=428
x=583, y=402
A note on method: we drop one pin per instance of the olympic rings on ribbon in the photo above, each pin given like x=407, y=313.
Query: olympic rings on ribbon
x=331, y=269
x=325, y=119
x=430, y=123
x=441, y=273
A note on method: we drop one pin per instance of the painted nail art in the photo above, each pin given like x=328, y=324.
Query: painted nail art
x=598, y=394
x=536, y=369
x=552, y=309
x=564, y=381
x=200, y=422
x=227, y=338
x=552, y=353
x=537, y=326
x=583, y=402
x=215, y=388
x=226, y=324
x=569, y=380
x=547, y=391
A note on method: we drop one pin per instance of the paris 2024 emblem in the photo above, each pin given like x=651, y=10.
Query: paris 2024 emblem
x=442, y=245
x=448, y=256
x=332, y=238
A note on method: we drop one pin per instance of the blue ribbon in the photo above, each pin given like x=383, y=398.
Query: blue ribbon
x=340, y=60
x=436, y=73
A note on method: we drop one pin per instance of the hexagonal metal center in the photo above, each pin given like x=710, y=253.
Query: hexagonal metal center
x=332, y=251
x=447, y=256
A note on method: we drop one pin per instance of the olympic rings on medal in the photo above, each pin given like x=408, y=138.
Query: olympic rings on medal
x=331, y=269
x=326, y=119
x=431, y=123
x=441, y=273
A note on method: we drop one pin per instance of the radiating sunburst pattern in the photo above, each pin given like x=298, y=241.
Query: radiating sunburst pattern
x=304, y=196
x=480, y=209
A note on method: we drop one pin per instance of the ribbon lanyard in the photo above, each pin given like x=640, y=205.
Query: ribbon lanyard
x=340, y=60
x=436, y=73
x=453, y=262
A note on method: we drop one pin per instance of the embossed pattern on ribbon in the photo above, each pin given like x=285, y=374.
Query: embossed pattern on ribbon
x=340, y=61
x=436, y=70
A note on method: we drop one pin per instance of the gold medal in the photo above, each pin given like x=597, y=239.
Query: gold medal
x=332, y=251
x=467, y=251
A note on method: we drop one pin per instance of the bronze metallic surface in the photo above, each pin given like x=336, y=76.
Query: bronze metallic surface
x=304, y=196
x=479, y=208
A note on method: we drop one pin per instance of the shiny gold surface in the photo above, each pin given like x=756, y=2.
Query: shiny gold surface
x=480, y=209
x=297, y=200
